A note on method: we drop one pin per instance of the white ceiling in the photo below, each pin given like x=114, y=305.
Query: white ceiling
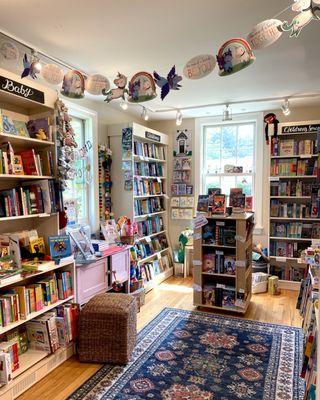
x=131, y=36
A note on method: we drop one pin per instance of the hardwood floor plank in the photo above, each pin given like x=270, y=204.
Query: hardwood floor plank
x=175, y=292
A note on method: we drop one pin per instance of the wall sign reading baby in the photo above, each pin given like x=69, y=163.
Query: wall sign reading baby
x=11, y=86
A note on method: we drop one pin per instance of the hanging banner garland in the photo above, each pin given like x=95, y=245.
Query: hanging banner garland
x=30, y=67
x=233, y=56
x=9, y=51
x=142, y=88
x=119, y=91
x=315, y=9
x=264, y=34
x=73, y=85
x=199, y=67
x=169, y=83
x=96, y=83
x=52, y=74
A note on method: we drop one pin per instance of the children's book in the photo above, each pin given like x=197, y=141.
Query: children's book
x=175, y=201
x=177, y=176
x=60, y=246
x=20, y=128
x=7, y=125
x=249, y=203
x=186, y=164
x=177, y=163
x=17, y=166
x=214, y=191
x=208, y=263
x=186, y=176
x=38, y=128
x=37, y=246
x=189, y=189
x=203, y=203
x=218, y=204
x=229, y=265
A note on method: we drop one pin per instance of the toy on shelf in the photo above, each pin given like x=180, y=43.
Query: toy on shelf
x=105, y=183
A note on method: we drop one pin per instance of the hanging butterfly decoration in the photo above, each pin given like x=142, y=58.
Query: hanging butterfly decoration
x=169, y=83
x=31, y=67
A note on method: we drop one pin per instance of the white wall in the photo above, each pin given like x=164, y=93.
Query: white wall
x=169, y=127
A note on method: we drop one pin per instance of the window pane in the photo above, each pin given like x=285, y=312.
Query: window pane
x=228, y=145
x=245, y=156
x=227, y=183
x=245, y=183
x=211, y=182
x=212, y=146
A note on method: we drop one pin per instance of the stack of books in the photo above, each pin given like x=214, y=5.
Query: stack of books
x=150, y=150
x=144, y=186
x=292, y=147
x=148, y=169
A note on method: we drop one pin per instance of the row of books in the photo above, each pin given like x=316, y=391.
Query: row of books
x=286, y=249
x=148, y=206
x=293, y=167
x=292, y=147
x=216, y=202
x=292, y=210
x=307, y=301
x=218, y=263
x=150, y=150
x=145, y=249
x=151, y=269
x=150, y=226
x=21, y=301
x=222, y=296
x=144, y=186
x=26, y=162
x=219, y=233
x=48, y=332
x=291, y=188
x=36, y=198
x=40, y=128
x=148, y=169
x=295, y=230
x=289, y=273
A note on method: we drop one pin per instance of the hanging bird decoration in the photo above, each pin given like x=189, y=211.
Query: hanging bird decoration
x=30, y=67
x=169, y=83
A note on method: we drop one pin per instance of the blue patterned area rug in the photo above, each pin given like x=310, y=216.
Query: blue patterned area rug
x=184, y=355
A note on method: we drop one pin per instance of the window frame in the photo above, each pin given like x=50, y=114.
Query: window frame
x=90, y=120
x=258, y=173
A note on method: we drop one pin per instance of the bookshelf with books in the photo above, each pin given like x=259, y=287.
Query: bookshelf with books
x=222, y=262
x=141, y=194
x=294, y=199
x=31, y=293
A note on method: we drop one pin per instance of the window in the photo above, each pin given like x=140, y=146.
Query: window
x=229, y=144
x=78, y=187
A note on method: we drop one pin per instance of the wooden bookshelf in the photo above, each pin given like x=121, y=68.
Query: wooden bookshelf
x=34, y=365
x=284, y=249
x=241, y=280
x=149, y=169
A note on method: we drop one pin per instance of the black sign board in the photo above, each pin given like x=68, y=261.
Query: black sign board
x=27, y=92
x=153, y=136
x=301, y=128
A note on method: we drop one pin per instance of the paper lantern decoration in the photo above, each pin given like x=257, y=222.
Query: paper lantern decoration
x=52, y=74
x=141, y=88
x=121, y=83
x=264, y=34
x=171, y=82
x=199, y=67
x=73, y=85
x=9, y=51
x=233, y=56
x=96, y=83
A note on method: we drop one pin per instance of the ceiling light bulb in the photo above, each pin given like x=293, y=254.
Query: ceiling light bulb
x=286, y=108
x=144, y=114
x=38, y=66
x=124, y=104
x=179, y=118
x=227, y=114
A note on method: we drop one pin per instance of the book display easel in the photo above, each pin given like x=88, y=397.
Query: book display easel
x=139, y=163
x=222, y=262
x=27, y=204
x=294, y=200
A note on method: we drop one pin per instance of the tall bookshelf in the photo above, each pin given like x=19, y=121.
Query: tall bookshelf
x=223, y=240
x=294, y=205
x=149, y=186
x=34, y=364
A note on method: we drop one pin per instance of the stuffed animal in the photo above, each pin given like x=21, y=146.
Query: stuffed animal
x=41, y=134
x=271, y=119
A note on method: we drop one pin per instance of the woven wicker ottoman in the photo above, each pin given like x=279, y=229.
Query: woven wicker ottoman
x=108, y=329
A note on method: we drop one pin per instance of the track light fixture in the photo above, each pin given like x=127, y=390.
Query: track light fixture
x=227, y=114
x=286, y=107
x=179, y=118
x=144, y=114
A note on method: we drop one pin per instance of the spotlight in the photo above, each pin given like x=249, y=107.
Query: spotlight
x=286, y=107
x=179, y=118
x=144, y=114
x=35, y=61
x=227, y=114
x=123, y=104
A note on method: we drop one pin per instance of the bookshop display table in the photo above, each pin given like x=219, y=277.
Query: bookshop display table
x=94, y=277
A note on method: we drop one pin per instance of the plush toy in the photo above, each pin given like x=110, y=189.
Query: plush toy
x=271, y=119
x=41, y=134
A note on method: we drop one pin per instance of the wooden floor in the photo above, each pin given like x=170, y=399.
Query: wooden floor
x=175, y=292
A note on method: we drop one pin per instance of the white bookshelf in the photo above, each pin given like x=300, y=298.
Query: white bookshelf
x=123, y=201
x=283, y=262
x=34, y=365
